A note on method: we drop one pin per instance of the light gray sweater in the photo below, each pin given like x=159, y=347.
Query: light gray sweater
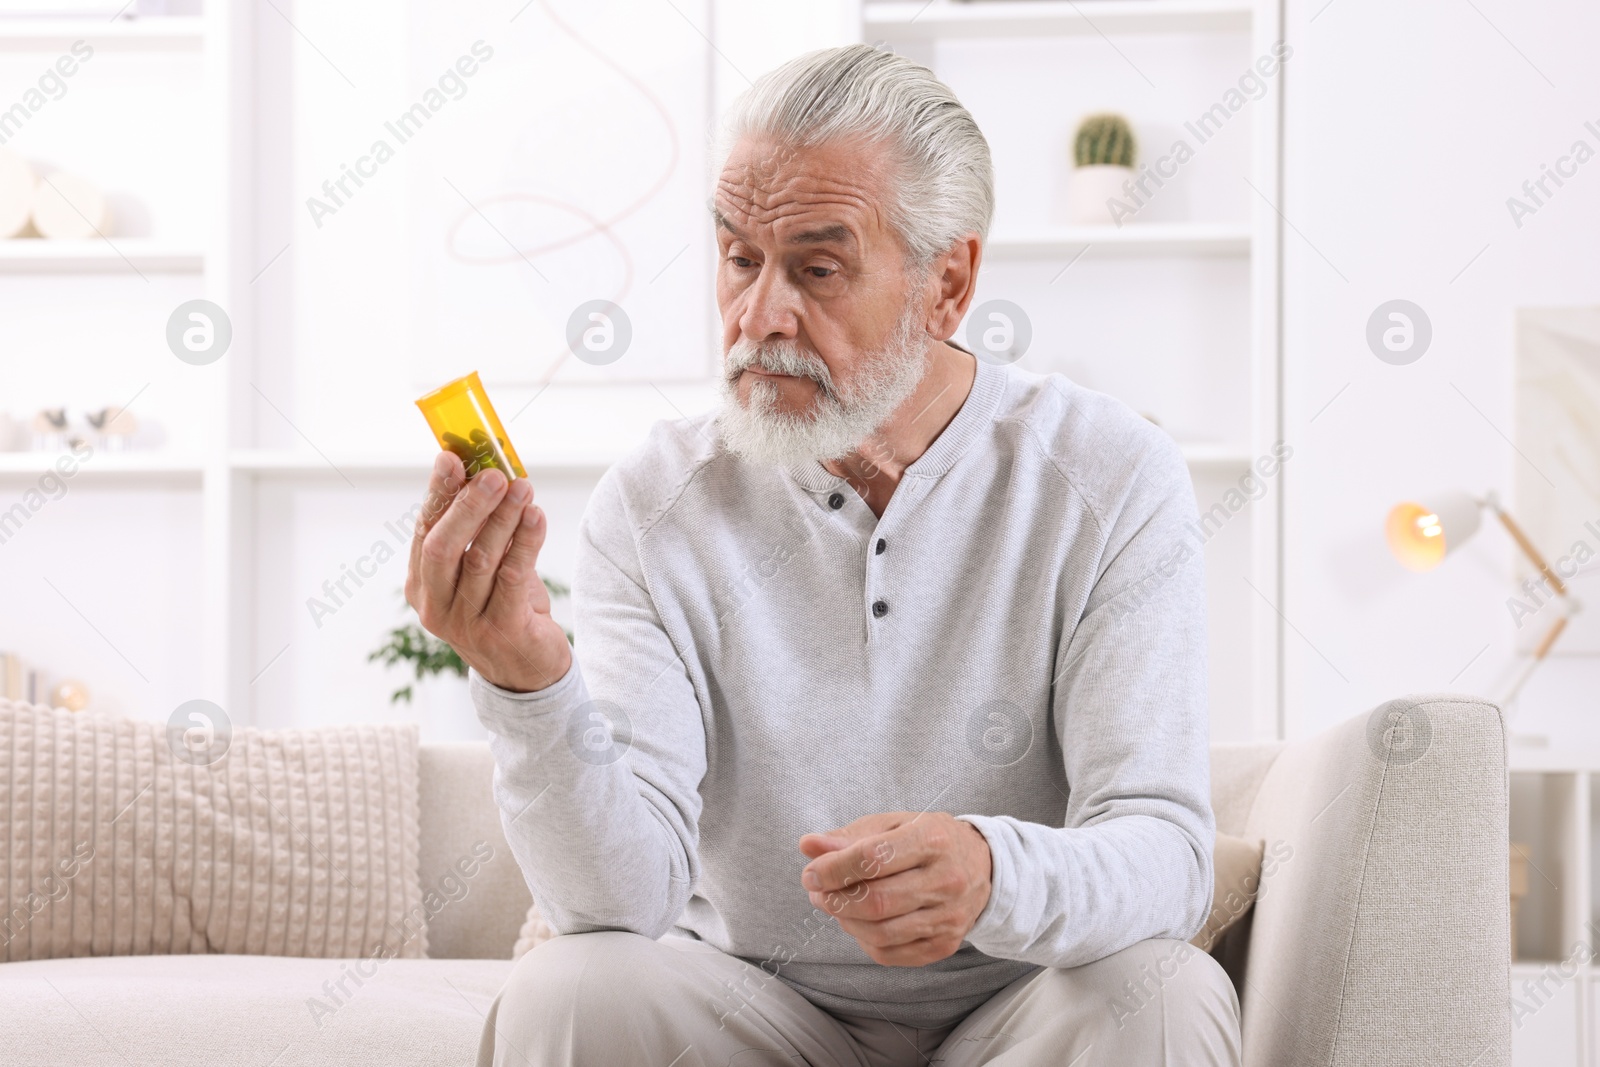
x=1020, y=640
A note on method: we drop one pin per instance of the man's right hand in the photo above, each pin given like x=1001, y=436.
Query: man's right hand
x=473, y=582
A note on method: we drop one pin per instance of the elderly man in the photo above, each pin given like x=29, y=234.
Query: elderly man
x=885, y=737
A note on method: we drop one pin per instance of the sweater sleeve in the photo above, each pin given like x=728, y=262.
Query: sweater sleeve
x=597, y=776
x=1133, y=858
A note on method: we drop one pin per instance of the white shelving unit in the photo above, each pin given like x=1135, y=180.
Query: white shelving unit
x=921, y=28
x=210, y=38
x=1555, y=978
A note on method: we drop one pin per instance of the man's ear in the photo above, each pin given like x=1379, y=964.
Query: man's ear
x=955, y=278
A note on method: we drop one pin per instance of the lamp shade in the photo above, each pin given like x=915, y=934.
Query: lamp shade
x=1421, y=534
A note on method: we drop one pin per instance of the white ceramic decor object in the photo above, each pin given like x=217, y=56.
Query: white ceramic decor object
x=1089, y=190
x=16, y=193
x=67, y=207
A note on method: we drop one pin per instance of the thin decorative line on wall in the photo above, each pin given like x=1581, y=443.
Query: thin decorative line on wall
x=595, y=226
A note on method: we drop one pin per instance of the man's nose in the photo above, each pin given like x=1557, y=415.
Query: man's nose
x=771, y=308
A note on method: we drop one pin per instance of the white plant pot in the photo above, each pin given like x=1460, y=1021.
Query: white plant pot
x=1090, y=188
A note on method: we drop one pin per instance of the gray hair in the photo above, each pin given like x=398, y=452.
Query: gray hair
x=946, y=179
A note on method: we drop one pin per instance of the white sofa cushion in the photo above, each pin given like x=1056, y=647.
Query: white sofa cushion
x=210, y=1010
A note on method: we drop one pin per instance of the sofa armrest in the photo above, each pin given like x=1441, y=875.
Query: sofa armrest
x=480, y=914
x=1381, y=933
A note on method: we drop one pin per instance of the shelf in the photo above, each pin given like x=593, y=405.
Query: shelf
x=295, y=463
x=1526, y=968
x=143, y=466
x=123, y=35
x=289, y=463
x=1566, y=758
x=118, y=255
x=920, y=21
x=1217, y=458
x=1134, y=239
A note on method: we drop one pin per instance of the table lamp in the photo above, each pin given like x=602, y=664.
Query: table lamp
x=1421, y=534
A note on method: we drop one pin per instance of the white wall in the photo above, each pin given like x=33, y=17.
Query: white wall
x=1407, y=127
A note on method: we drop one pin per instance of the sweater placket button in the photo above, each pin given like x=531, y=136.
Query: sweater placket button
x=836, y=501
x=880, y=608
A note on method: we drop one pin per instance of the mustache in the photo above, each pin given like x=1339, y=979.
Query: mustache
x=778, y=357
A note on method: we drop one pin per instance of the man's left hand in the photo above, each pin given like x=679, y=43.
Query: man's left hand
x=907, y=886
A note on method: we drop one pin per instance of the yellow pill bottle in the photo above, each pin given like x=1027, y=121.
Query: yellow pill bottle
x=464, y=422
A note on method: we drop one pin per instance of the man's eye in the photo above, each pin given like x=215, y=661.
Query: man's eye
x=742, y=262
x=821, y=272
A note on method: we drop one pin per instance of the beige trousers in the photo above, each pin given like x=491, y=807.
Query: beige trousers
x=620, y=1000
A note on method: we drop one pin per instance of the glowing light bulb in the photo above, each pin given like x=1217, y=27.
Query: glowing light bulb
x=1416, y=534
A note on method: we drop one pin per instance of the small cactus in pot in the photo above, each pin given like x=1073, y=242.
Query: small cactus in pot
x=1104, y=140
x=1104, y=152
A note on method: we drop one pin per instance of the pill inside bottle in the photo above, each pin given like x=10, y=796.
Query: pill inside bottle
x=464, y=422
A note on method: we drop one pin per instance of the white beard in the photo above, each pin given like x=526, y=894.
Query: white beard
x=835, y=425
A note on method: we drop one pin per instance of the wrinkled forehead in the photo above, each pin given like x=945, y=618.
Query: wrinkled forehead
x=828, y=193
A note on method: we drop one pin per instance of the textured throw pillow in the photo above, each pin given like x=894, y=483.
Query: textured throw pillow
x=1237, y=868
x=293, y=843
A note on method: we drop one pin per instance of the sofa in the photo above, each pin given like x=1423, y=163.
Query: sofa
x=1380, y=934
